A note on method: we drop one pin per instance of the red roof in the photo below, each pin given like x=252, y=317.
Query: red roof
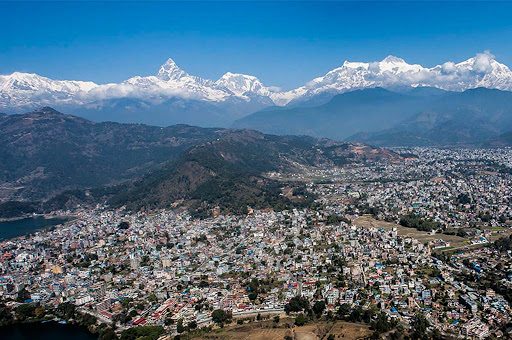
x=108, y=315
x=140, y=321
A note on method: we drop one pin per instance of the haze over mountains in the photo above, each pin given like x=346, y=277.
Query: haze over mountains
x=173, y=96
x=419, y=117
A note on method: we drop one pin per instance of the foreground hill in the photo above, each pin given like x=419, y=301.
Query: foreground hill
x=50, y=160
x=44, y=151
x=228, y=172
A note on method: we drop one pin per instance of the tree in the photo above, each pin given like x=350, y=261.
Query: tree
x=142, y=332
x=25, y=311
x=331, y=337
x=219, y=316
x=192, y=325
x=419, y=326
x=5, y=315
x=168, y=321
x=122, y=318
x=343, y=311
x=124, y=225
x=179, y=326
x=300, y=320
x=296, y=304
x=276, y=319
x=66, y=310
x=383, y=324
x=319, y=308
x=108, y=334
x=23, y=295
x=253, y=295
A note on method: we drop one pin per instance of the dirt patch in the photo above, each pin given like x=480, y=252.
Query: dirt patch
x=252, y=331
x=350, y=331
x=313, y=331
x=422, y=236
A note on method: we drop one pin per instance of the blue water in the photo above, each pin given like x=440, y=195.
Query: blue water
x=10, y=229
x=45, y=331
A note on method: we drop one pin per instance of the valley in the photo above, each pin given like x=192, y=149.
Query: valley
x=256, y=170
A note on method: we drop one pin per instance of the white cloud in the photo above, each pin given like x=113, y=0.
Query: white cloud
x=482, y=62
x=449, y=67
x=374, y=67
x=274, y=89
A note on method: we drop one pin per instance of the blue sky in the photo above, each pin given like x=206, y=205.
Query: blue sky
x=283, y=43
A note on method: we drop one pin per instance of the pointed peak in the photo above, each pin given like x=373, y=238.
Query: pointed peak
x=170, y=71
x=169, y=63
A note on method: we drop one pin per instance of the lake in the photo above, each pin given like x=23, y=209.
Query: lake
x=45, y=331
x=15, y=228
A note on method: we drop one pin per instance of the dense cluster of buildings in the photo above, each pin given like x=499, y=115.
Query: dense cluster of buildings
x=163, y=268
x=457, y=188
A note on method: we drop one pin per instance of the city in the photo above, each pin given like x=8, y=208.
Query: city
x=256, y=170
x=400, y=239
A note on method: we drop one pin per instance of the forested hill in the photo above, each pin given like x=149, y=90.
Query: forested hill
x=44, y=151
x=49, y=160
x=228, y=172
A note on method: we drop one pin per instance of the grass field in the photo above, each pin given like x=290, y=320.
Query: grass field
x=456, y=242
x=422, y=236
x=266, y=331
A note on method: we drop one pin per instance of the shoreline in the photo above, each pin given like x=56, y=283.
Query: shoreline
x=46, y=222
x=45, y=216
x=51, y=323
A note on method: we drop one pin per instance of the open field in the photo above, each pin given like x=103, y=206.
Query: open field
x=349, y=330
x=313, y=331
x=456, y=242
x=422, y=236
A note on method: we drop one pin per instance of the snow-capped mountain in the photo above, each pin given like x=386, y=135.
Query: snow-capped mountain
x=392, y=72
x=27, y=89
x=239, y=94
x=241, y=84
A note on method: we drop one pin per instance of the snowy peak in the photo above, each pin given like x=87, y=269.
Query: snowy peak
x=390, y=59
x=393, y=72
x=170, y=71
x=26, y=90
x=241, y=84
x=395, y=64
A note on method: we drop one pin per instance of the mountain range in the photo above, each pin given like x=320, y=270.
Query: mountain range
x=173, y=96
x=421, y=116
x=50, y=160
